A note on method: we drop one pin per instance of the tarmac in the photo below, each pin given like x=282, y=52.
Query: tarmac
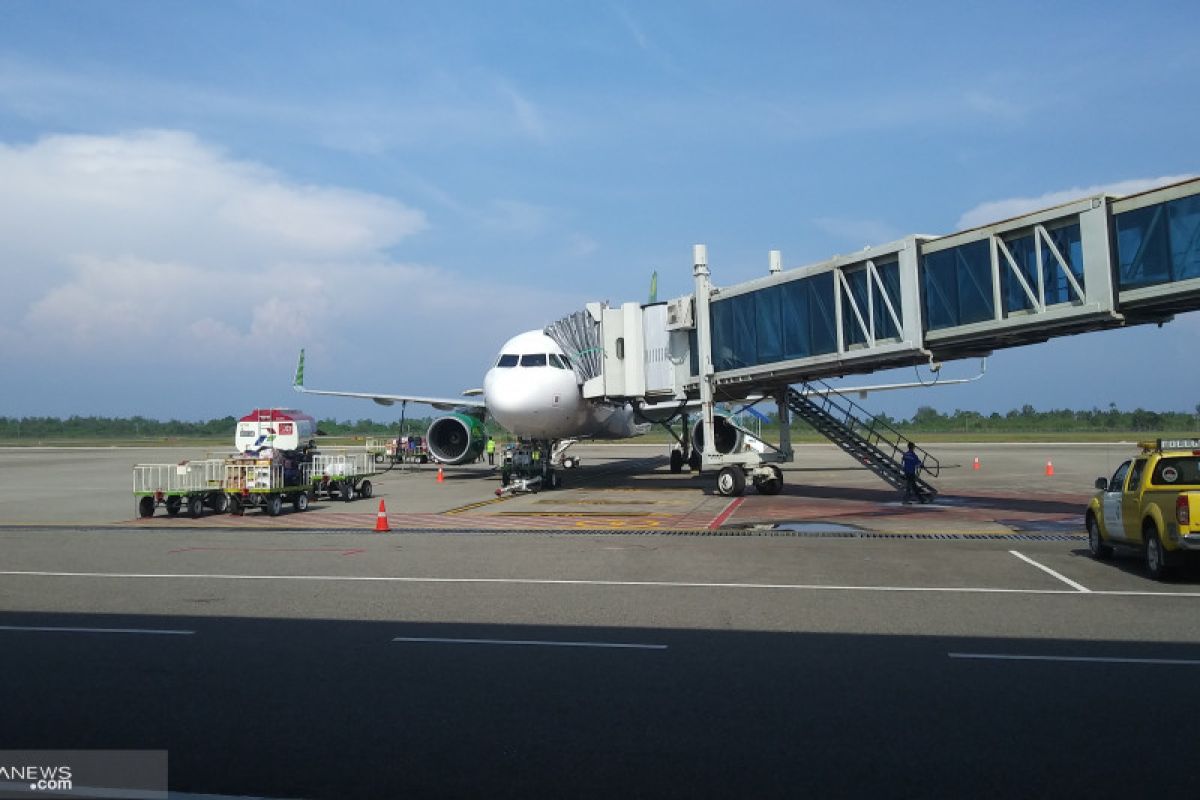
x=984, y=489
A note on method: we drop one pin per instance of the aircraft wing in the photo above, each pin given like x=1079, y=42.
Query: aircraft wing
x=440, y=403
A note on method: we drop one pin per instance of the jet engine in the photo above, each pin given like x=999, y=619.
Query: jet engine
x=729, y=439
x=456, y=438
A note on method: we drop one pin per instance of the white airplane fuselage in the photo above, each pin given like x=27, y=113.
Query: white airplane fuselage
x=532, y=392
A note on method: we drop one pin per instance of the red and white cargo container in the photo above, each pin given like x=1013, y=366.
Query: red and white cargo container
x=278, y=428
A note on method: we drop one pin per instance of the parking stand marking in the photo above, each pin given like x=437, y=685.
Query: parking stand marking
x=1076, y=586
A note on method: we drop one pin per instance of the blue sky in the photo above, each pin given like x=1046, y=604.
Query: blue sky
x=190, y=192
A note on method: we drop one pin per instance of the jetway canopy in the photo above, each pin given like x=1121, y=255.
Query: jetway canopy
x=1096, y=263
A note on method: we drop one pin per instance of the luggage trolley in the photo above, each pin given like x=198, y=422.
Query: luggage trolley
x=345, y=474
x=265, y=483
x=196, y=484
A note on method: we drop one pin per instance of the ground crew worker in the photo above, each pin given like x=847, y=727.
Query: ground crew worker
x=911, y=463
x=491, y=451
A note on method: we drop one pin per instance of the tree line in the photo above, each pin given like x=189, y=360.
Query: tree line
x=926, y=420
x=76, y=427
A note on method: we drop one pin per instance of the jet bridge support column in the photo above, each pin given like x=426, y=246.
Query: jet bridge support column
x=704, y=344
x=736, y=467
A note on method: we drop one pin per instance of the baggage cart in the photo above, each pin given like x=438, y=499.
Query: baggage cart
x=266, y=483
x=341, y=473
x=188, y=484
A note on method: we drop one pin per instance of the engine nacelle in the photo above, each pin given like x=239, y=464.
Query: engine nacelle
x=456, y=438
x=729, y=439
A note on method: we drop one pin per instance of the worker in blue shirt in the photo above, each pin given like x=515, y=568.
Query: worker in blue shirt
x=911, y=463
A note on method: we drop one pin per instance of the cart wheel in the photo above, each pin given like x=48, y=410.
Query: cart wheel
x=274, y=505
x=173, y=506
x=146, y=507
x=365, y=489
x=235, y=505
x=300, y=502
x=195, y=506
x=219, y=502
x=347, y=491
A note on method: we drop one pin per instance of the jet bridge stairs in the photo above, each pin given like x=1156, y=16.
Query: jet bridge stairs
x=867, y=439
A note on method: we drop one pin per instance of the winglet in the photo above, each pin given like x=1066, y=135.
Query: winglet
x=298, y=381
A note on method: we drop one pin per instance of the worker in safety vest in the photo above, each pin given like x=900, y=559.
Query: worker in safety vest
x=491, y=451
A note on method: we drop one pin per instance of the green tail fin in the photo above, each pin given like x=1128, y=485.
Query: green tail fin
x=298, y=381
x=654, y=287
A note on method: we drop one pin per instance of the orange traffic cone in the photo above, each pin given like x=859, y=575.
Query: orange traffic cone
x=440, y=476
x=975, y=466
x=381, y=521
x=1049, y=468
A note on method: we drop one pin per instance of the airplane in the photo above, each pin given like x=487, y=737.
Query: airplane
x=533, y=392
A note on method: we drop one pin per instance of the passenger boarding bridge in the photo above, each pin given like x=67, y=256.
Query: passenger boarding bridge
x=1097, y=263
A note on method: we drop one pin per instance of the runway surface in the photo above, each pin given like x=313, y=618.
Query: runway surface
x=621, y=487
x=276, y=664
x=633, y=635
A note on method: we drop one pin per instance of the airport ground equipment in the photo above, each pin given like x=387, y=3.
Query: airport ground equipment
x=188, y=484
x=277, y=428
x=341, y=473
x=401, y=450
x=1093, y=264
x=527, y=467
x=868, y=440
x=265, y=483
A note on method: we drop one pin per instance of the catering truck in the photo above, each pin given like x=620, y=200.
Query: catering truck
x=275, y=428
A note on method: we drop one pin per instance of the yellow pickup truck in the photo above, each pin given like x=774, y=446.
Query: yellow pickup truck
x=1152, y=502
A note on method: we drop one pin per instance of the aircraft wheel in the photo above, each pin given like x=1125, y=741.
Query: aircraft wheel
x=146, y=507
x=676, y=461
x=694, y=460
x=731, y=482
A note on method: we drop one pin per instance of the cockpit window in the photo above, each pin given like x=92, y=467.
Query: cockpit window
x=533, y=360
x=507, y=360
x=557, y=361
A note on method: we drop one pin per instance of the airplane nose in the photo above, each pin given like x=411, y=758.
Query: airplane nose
x=507, y=396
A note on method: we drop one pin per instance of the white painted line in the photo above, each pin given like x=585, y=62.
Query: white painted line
x=529, y=643
x=57, y=629
x=1096, y=659
x=1076, y=586
x=563, y=582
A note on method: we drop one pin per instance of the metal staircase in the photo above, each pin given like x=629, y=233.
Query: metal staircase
x=868, y=440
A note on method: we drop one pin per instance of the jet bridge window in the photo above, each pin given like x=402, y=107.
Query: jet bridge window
x=533, y=360
x=958, y=285
x=1159, y=243
x=507, y=360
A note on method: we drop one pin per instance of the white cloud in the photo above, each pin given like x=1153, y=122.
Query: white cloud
x=115, y=248
x=997, y=210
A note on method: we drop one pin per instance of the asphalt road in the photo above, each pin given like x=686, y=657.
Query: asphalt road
x=334, y=666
